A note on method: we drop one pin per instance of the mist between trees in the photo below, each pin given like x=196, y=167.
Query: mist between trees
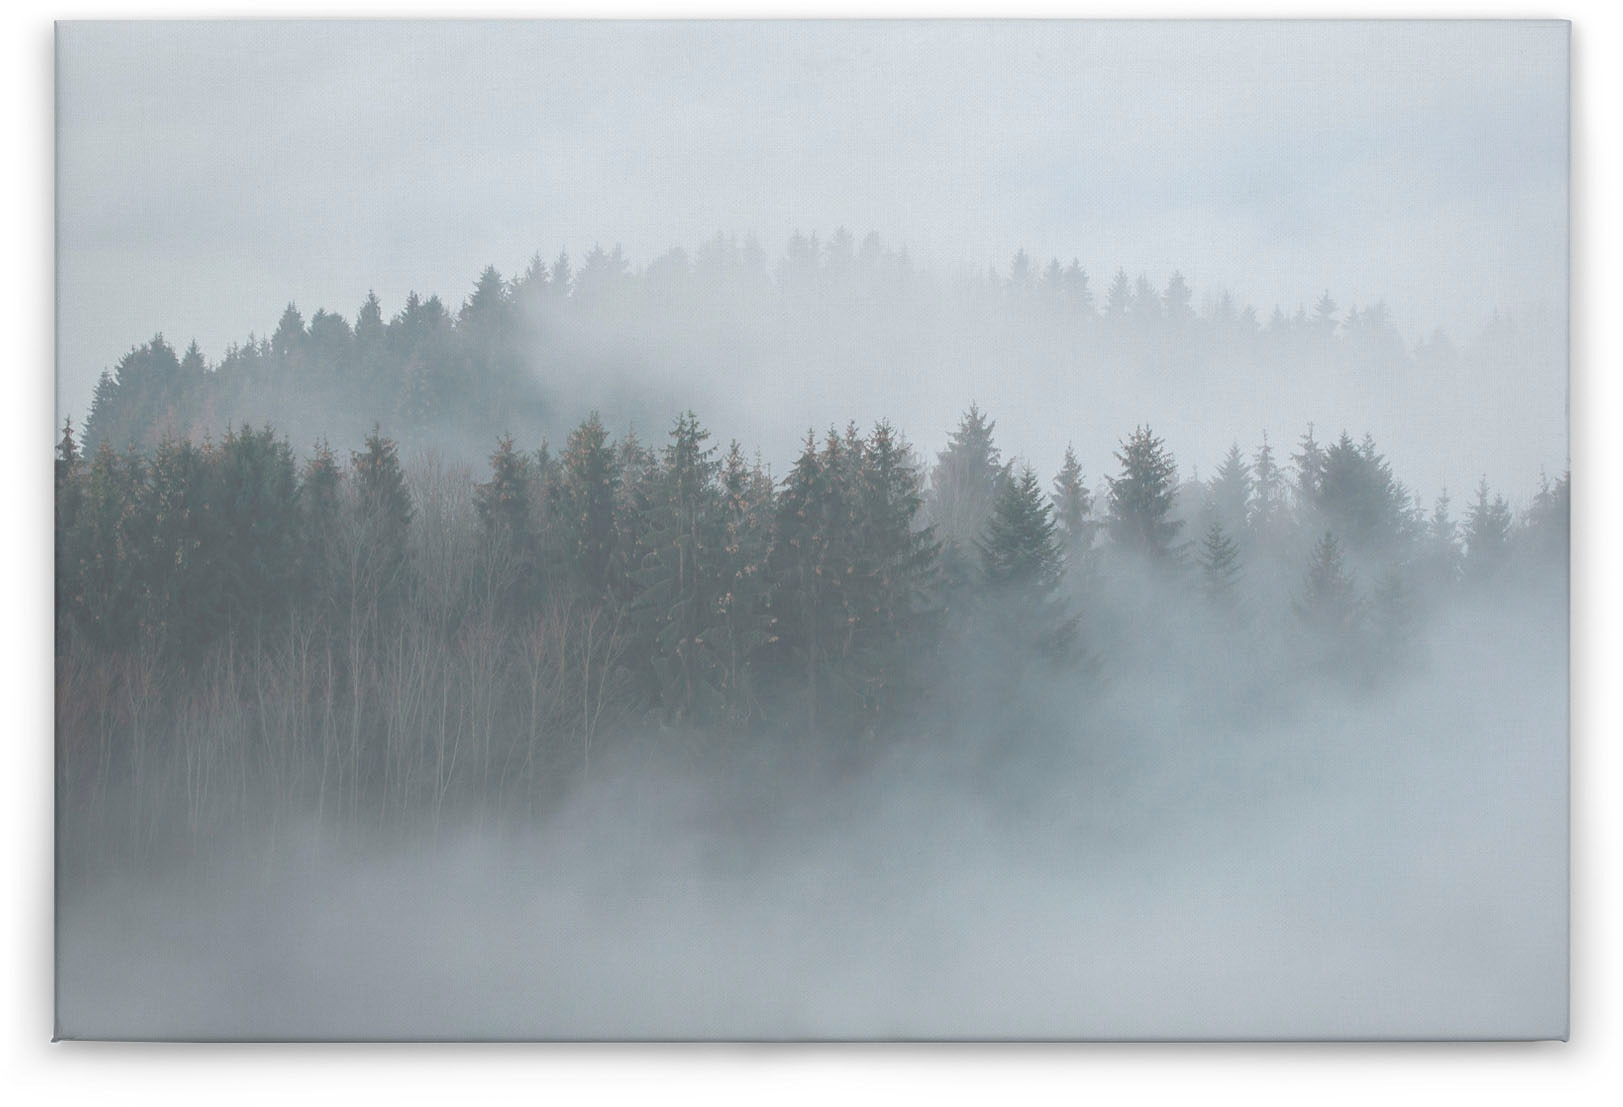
x=834, y=329
x=246, y=637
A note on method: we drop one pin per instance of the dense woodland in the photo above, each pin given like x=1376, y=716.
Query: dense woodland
x=249, y=631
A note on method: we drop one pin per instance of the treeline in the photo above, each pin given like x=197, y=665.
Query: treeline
x=513, y=354
x=242, y=631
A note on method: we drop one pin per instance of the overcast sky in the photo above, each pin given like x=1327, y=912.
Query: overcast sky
x=211, y=173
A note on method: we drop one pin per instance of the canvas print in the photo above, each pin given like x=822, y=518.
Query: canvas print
x=951, y=530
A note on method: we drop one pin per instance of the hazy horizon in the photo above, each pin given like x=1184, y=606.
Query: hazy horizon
x=1422, y=165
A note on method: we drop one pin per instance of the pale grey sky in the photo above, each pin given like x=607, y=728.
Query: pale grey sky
x=211, y=172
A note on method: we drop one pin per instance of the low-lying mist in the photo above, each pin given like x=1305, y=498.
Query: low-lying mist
x=1191, y=847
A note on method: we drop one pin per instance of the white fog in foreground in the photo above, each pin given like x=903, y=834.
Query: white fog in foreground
x=1395, y=868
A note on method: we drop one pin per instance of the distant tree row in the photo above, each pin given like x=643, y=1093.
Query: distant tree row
x=499, y=359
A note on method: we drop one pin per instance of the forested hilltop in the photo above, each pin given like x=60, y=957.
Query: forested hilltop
x=243, y=630
x=473, y=596
x=833, y=329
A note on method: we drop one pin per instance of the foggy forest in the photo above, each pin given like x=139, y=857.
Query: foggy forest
x=703, y=718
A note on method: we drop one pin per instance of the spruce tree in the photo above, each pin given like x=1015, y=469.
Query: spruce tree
x=108, y=541
x=588, y=485
x=1228, y=493
x=1073, y=512
x=1141, y=498
x=1549, y=521
x=808, y=612
x=507, y=508
x=1219, y=568
x=897, y=562
x=320, y=520
x=379, y=560
x=1309, y=462
x=1267, y=516
x=681, y=578
x=746, y=625
x=1441, y=559
x=1488, y=526
x=1023, y=559
x=964, y=485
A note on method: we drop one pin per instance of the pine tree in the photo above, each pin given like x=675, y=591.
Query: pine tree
x=1073, y=512
x=681, y=578
x=1309, y=462
x=1355, y=495
x=1229, y=492
x=1023, y=559
x=589, y=482
x=964, y=485
x=320, y=520
x=507, y=507
x=1268, y=508
x=806, y=573
x=379, y=560
x=1441, y=558
x=1487, y=535
x=897, y=561
x=746, y=625
x=1549, y=521
x=184, y=568
x=255, y=507
x=1140, y=502
x=108, y=542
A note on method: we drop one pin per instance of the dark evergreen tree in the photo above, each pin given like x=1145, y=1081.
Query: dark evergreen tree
x=186, y=568
x=321, y=510
x=378, y=560
x=1309, y=462
x=1356, y=496
x=681, y=578
x=1488, y=526
x=1219, y=568
x=1023, y=559
x=255, y=509
x=1267, y=518
x=1073, y=512
x=746, y=625
x=589, y=483
x=1140, y=519
x=108, y=540
x=508, y=509
x=1549, y=522
x=964, y=485
x=897, y=565
x=806, y=576
x=1441, y=559
x=1229, y=492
